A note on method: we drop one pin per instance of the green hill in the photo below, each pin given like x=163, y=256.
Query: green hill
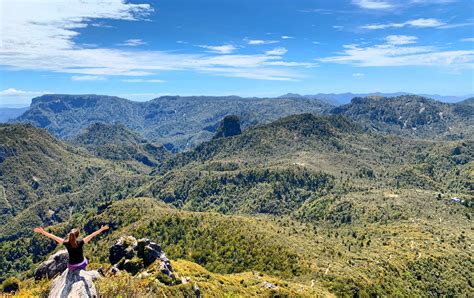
x=178, y=122
x=44, y=180
x=411, y=115
x=117, y=142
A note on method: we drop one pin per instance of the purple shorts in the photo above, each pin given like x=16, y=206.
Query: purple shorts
x=82, y=265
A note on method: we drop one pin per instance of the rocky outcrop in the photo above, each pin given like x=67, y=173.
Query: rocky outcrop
x=54, y=265
x=132, y=255
x=77, y=284
x=123, y=248
x=229, y=126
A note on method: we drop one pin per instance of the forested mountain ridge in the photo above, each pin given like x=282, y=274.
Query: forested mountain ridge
x=43, y=179
x=117, y=142
x=174, y=121
x=411, y=115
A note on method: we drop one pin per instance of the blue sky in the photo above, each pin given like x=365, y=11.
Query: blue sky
x=142, y=49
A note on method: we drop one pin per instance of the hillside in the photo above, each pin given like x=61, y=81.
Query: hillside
x=411, y=115
x=332, y=146
x=299, y=199
x=392, y=246
x=44, y=180
x=117, y=142
x=177, y=122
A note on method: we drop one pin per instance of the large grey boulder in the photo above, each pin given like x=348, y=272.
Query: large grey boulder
x=55, y=264
x=74, y=284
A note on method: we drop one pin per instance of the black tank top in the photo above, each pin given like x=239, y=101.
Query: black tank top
x=76, y=255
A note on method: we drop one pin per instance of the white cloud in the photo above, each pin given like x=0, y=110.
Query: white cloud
x=373, y=4
x=469, y=39
x=418, y=23
x=277, y=51
x=400, y=39
x=41, y=36
x=260, y=41
x=286, y=37
x=15, y=92
x=133, y=42
x=358, y=74
x=395, y=55
x=14, y=97
x=87, y=78
x=223, y=49
x=143, y=81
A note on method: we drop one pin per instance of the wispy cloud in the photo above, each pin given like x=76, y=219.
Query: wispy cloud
x=133, y=42
x=358, y=74
x=260, y=41
x=143, y=81
x=469, y=39
x=387, y=54
x=222, y=49
x=15, y=92
x=87, y=78
x=15, y=97
x=277, y=51
x=373, y=4
x=286, y=37
x=42, y=34
x=418, y=23
x=400, y=39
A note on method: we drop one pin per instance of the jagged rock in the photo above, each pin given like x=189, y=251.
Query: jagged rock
x=197, y=291
x=149, y=251
x=124, y=248
x=165, y=269
x=268, y=285
x=114, y=270
x=55, y=264
x=229, y=126
x=77, y=284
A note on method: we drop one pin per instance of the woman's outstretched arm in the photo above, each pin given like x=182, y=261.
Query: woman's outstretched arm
x=102, y=228
x=40, y=230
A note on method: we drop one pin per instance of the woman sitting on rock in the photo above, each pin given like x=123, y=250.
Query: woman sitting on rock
x=73, y=246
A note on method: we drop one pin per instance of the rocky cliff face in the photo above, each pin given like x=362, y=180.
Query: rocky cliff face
x=229, y=126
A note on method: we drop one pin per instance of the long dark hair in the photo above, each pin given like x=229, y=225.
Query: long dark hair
x=71, y=238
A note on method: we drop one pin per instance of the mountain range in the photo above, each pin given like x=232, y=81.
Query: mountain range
x=181, y=123
x=176, y=122
x=344, y=98
x=308, y=199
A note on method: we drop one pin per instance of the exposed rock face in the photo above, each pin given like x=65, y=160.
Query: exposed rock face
x=132, y=255
x=230, y=126
x=123, y=248
x=77, y=284
x=55, y=264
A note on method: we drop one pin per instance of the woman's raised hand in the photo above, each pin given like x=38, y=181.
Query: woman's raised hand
x=38, y=230
x=104, y=227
